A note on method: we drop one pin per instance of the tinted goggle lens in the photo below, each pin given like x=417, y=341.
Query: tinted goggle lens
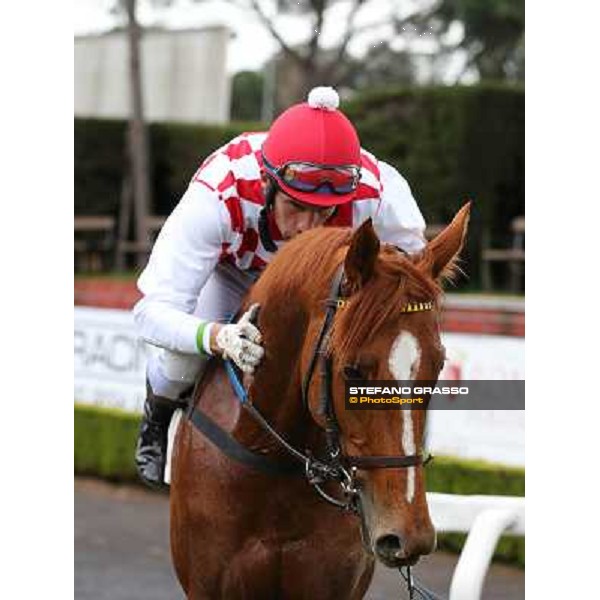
x=310, y=178
x=306, y=177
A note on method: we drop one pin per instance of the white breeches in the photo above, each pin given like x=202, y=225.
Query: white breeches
x=172, y=373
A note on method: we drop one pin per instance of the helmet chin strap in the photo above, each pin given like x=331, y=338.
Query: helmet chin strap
x=263, y=222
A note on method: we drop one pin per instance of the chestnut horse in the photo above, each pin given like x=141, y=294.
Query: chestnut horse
x=239, y=531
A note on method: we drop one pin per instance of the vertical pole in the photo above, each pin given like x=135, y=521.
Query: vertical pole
x=268, y=95
x=138, y=140
x=124, y=223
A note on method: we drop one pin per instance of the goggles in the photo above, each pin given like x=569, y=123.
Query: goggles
x=312, y=178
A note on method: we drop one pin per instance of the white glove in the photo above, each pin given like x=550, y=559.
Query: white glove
x=241, y=341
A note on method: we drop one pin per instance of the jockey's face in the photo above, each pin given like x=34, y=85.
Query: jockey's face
x=294, y=217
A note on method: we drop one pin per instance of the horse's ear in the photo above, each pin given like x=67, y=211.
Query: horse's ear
x=361, y=256
x=447, y=245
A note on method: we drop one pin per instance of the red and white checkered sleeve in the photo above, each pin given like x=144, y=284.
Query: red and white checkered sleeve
x=398, y=219
x=185, y=254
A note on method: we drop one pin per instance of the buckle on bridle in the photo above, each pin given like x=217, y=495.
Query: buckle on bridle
x=316, y=471
x=349, y=482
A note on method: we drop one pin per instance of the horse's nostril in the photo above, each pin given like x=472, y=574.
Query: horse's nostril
x=389, y=547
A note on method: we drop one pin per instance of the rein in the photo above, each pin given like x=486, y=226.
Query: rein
x=415, y=587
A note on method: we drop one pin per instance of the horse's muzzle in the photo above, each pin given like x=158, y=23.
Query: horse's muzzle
x=393, y=552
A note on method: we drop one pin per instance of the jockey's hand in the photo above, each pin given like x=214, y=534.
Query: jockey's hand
x=240, y=341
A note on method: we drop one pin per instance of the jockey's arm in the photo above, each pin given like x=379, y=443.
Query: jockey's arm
x=398, y=219
x=185, y=254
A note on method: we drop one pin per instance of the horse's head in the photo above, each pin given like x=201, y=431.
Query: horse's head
x=375, y=338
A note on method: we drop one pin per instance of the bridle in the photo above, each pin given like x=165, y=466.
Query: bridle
x=335, y=466
x=341, y=467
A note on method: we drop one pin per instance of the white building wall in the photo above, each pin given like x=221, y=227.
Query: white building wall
x=184, y=75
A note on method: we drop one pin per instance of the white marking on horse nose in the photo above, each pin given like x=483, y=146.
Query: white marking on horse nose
x=404, y=359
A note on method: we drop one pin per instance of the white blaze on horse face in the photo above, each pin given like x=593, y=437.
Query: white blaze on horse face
x=405, y=356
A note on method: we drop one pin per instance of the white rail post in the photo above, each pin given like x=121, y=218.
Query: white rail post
x=469, y=574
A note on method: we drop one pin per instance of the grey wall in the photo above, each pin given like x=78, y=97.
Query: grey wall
x=184, y=76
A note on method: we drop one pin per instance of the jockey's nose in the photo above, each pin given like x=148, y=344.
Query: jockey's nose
x=306, y=221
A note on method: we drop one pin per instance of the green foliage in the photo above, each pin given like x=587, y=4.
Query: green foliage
x=493, y=34
x=387, y=67
x=100, y=159
x=452, y=144
x=176, y=152
x=105, y=442
x=452, y=476
x=510, y=549
x=246, y=96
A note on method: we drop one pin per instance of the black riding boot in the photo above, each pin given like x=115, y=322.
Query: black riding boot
x=151, y=450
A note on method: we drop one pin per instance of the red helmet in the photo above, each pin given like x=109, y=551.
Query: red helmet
x=313, y=152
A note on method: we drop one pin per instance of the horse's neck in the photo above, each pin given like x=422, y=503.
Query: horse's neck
x=277, y=396
x=276, y=390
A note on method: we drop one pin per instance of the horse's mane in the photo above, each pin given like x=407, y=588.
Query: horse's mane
x=300, y=273
x=398, y=280
x=304, y=268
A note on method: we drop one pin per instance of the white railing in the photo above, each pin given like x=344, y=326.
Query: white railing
x=485, y=519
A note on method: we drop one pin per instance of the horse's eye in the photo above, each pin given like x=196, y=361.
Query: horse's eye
x=352, y=372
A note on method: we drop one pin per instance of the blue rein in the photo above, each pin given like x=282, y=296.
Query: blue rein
x=237, y=385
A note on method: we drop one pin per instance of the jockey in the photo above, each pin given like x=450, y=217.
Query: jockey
x=246, y=200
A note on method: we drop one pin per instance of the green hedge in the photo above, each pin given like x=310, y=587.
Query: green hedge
x=454, y=143
x=176, y=151
x=105, y=443
x=451, y=143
